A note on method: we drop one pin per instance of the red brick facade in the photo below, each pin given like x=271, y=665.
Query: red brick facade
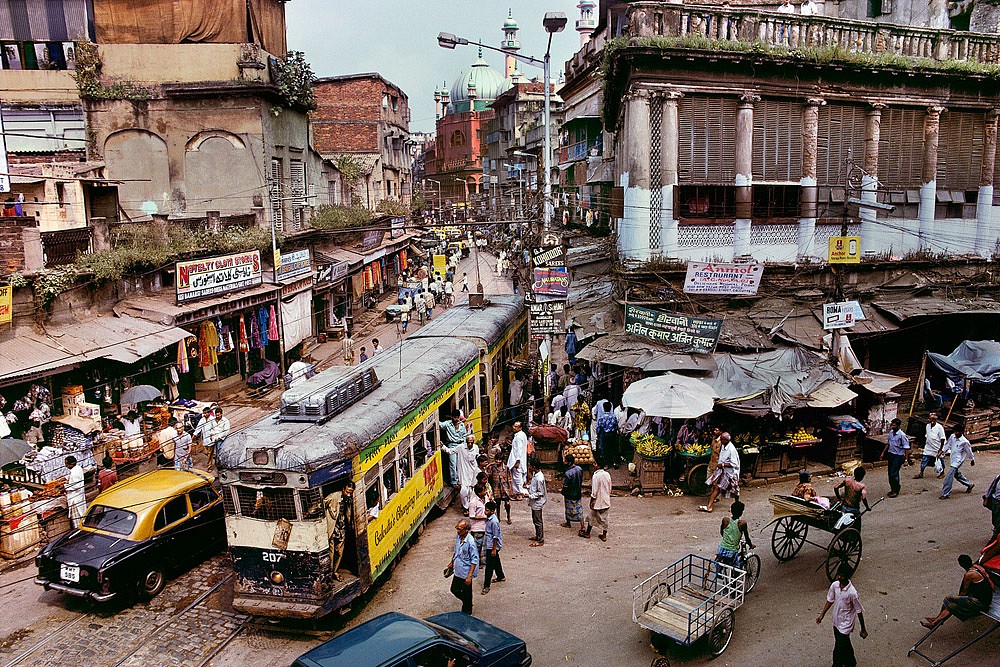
x=349, y=112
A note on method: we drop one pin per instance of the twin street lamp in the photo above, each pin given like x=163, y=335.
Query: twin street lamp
x=553, y=22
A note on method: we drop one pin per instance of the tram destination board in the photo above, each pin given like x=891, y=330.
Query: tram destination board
x=547, y=318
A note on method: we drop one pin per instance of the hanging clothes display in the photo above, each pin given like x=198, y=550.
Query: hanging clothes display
x=223, y=330
x=170, y=381
x=182, y=358
x=263, y=320
x=254, y=332
x=244, y=343
x=208, y=342
x=272, y=329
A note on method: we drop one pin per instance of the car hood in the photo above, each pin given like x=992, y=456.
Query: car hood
x=488, y=638
x=85, y=548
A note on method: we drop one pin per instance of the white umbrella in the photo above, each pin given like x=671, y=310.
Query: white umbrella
x=671, y=395
x=140, y=394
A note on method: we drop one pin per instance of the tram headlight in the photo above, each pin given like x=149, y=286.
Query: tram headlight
x=277, y=578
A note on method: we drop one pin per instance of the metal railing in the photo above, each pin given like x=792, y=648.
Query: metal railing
x=61, y=247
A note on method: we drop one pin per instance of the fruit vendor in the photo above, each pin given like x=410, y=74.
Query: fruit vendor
x=726, y=478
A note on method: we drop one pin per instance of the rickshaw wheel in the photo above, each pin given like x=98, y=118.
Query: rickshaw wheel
x=696, y=480
x=788, y=537
x=844, y=549
x=722, y=632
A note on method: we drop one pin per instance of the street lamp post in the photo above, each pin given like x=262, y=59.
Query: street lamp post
x=465, y=183
x=553, y=22
x=438, y=212
x=520, y=182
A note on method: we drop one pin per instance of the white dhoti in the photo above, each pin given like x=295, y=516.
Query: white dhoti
x=517, y=480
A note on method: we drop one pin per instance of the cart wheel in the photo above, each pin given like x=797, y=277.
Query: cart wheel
x=696, y=480
x=752, y=568
x=788, y=537
x=661, y=591
x=722, y=632
x=845, y=549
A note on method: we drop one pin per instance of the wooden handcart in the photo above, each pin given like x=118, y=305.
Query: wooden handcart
x=993, y=614
x=793, y=517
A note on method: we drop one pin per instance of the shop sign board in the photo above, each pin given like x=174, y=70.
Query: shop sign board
x=550, y=239
x=547, y=318
x=203, y=278
x=6, y=304
x=548, y=257
x=700, y=334
x=551, y=284
x=328, y=273
x=398, y=227
x=844, y=250
x=372, y=239
x=713, y=278
x=842, y=315
x=294, y=264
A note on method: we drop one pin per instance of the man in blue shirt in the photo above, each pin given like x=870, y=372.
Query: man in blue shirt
x=465, y=562
x=896, y=447
x=492, y=544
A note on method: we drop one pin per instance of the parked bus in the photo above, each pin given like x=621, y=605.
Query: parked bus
x=376, y=425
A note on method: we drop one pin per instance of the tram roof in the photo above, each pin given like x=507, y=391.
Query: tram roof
x=486, y=324
x=410, y=371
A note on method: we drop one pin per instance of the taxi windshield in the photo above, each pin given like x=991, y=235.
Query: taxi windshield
x=110, y=519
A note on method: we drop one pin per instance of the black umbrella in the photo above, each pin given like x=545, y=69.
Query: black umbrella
x=12, y=449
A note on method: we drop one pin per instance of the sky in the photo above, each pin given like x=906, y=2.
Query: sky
x=398, y=40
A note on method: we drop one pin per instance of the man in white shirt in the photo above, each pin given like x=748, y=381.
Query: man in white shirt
x=809, y=8
x=784, y=31
x=131, y=423
x=182, y=449
x=76, y=495
x=376, y=347
x=726, y=478
x=571, y=393
x=960, y=451
x=600, y=502
x=515, y=396
x=467, y=467
x=843, y=597
x=933, y=444
x=218, y=435
x=517, y=462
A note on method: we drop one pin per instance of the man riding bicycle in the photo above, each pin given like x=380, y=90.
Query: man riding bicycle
x=732, y=531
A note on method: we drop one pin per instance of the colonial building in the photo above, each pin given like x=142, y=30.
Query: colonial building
x=722, y=151
x=363, y=120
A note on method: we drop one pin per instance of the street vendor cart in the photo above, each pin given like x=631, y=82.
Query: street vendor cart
x=794, y=516
x=691, y=599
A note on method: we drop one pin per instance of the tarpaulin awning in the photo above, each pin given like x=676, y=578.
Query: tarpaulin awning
x=626, y=351
x=830, y=395
x=977, y=360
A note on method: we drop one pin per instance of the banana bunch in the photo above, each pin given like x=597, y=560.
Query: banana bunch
x=694, y=449
x=746, y=439
x=674, y=491
x=649, y=445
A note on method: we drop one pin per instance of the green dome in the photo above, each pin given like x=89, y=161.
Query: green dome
x=485, y=81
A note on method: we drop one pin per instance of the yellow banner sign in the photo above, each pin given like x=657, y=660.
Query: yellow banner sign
x=844, y=250
x=389, y=529
x=6, y=304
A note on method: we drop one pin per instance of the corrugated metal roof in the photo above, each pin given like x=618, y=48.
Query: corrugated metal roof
x=60, y=347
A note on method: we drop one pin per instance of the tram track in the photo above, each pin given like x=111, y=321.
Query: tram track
x=48, y=638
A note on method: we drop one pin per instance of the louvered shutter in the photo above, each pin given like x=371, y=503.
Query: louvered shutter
x=841, y=128
x=777, y=141
x=297, y=175
x=960, y=150
x=900, y=148
x=706, y=139
x=276, y=189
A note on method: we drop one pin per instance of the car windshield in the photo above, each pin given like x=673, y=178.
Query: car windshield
x=453, y=636
x=110, y=519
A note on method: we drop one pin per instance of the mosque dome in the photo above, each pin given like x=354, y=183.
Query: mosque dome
x=510, y=23
x=485, y=82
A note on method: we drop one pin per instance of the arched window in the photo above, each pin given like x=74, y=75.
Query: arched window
x=457, y=138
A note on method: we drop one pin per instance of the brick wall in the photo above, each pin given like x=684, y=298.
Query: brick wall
x=12, y=243
x=348, y=114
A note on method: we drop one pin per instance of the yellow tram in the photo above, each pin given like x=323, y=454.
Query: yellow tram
x=376, y=425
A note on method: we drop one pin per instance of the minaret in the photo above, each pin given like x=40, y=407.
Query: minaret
x=437, y=103
x=445, y=99
x=587, y=23
x=510, y=43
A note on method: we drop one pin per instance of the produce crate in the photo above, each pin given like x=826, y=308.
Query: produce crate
x=547, y=456
x=19, y=535
x=769, y=464
x=651, y=473
x=995, y=419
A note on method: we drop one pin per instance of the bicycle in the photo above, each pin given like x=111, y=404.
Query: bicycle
x=748, y=561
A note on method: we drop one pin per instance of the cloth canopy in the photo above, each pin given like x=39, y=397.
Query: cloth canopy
x=977, y=360
x=670, y=395
x=628, y=351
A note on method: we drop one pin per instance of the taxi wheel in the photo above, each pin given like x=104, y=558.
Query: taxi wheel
x=151, y=584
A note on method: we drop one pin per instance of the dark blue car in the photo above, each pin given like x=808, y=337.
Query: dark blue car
x=396, y=640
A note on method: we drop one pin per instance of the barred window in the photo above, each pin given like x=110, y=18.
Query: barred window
x=312, y=503
x=227, y=501
x=267, y=504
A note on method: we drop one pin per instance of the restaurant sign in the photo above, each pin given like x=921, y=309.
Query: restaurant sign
x=547, y=318
x=713, y=278
x=294, y=264
x=699, y=334
x=203, y=278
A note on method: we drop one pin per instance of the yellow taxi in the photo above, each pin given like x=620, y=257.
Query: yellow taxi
x=136, y=534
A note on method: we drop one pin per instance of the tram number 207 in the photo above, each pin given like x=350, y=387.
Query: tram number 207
x=272, y=557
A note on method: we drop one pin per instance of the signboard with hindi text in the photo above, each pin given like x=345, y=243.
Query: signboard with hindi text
x=6, y=304
x=211, y=276
x=713, y=278
x=699, y=334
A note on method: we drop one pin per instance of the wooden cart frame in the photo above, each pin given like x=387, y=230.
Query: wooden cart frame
x=793, y=517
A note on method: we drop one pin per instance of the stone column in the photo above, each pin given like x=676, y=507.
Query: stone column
x=633, y=231
x=869, y=179
x=744, y=174
x=807, y=184
x=669, y=131
x=984, y=202
x=928, y=176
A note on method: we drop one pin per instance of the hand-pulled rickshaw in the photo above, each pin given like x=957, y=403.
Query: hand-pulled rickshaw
x=793, y=517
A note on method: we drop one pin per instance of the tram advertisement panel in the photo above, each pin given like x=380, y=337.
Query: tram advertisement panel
x=388, y=530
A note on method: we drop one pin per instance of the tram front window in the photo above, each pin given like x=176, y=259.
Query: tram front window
x=269, y=504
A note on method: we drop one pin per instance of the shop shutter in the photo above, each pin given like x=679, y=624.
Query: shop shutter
x=960, y=150
x=777, y=141
x=706, y=139
x=841, y=130
x=900, y=148
x=277, y=192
